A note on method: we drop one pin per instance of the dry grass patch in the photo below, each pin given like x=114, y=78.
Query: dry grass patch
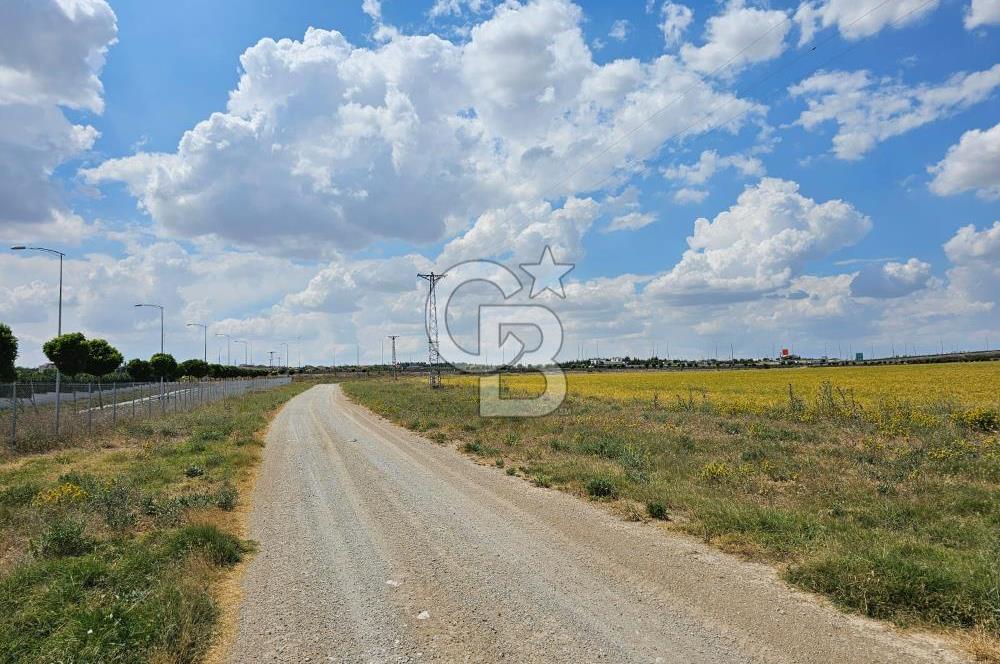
x=894, y=515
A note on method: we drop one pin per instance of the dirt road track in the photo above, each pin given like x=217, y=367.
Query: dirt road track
x=378, y=546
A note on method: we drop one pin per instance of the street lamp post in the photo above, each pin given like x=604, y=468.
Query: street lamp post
x=246, y=345
x=160, y=307
x=229, y=353
x=59, y=324
x=285, y=344
x=204, y=329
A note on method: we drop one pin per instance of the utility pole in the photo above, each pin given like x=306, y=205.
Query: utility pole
x=246, y=351
x=59, y=326
x=160, y=307
x=433, y=349
x=270, y=361
x=204, y=329
x=394, y=337
x=229, y=341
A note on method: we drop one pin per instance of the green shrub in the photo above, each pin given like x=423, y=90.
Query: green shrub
x=194, y=471
x=896, y=580
x=657, y=510
x=116, y=502
x=62, y=538
x=601, y=487
x=19, y=495
x=636, y=463
x=226, y=498
x=220, y=547
x=542, y=480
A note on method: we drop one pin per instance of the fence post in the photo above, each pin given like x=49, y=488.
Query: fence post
x=114, y=405
x=13, y=419
x=90, y=408
x=133, y=399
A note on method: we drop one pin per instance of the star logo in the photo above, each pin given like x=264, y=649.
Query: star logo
x=547, y=274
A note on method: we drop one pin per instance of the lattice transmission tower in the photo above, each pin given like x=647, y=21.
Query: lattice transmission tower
x=433, y=349
x=394, y=365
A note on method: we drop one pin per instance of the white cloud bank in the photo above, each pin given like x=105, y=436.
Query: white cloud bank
x=325, y=145
x=51, y=54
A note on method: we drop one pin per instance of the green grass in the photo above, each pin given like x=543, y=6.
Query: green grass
x=110, y=554
x=901, y=524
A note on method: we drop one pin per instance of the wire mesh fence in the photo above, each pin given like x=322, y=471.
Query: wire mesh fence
x=33, y=413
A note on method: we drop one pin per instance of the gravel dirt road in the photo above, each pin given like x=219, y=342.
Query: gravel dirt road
x=376, y=545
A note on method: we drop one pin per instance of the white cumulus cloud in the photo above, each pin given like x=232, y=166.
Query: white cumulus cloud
x=759, y=244
x=891, y=279
x=972, y=164
x=739, y=36
x=982, y=12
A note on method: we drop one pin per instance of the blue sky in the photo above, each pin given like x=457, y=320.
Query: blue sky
x=851, y=148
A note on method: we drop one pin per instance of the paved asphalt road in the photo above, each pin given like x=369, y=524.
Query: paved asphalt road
x=376, y=545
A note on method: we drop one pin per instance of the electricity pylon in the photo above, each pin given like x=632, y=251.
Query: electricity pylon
x=394, y=337
x=433, y=350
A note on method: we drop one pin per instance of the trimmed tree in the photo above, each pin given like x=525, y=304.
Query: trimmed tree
x=102, y=359
x=193, y=368
x=164, y=365
x=140, y=370
x=8, y=353
x=69, y=352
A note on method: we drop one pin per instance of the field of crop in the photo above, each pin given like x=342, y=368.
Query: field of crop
x=929, y=388
x=878, y=487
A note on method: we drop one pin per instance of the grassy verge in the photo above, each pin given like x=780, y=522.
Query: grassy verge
x=110, y=553
x=901, y=524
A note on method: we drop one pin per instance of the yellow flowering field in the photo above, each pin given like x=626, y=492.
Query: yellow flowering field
x=964, y=385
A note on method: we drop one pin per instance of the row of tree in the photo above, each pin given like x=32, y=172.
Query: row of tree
x=75, y=355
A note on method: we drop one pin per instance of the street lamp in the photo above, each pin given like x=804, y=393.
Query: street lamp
x=160, y=307
x=229, y=340
x=61, y=255
x=246, y=345
x=204, y=329
x=285, y=344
